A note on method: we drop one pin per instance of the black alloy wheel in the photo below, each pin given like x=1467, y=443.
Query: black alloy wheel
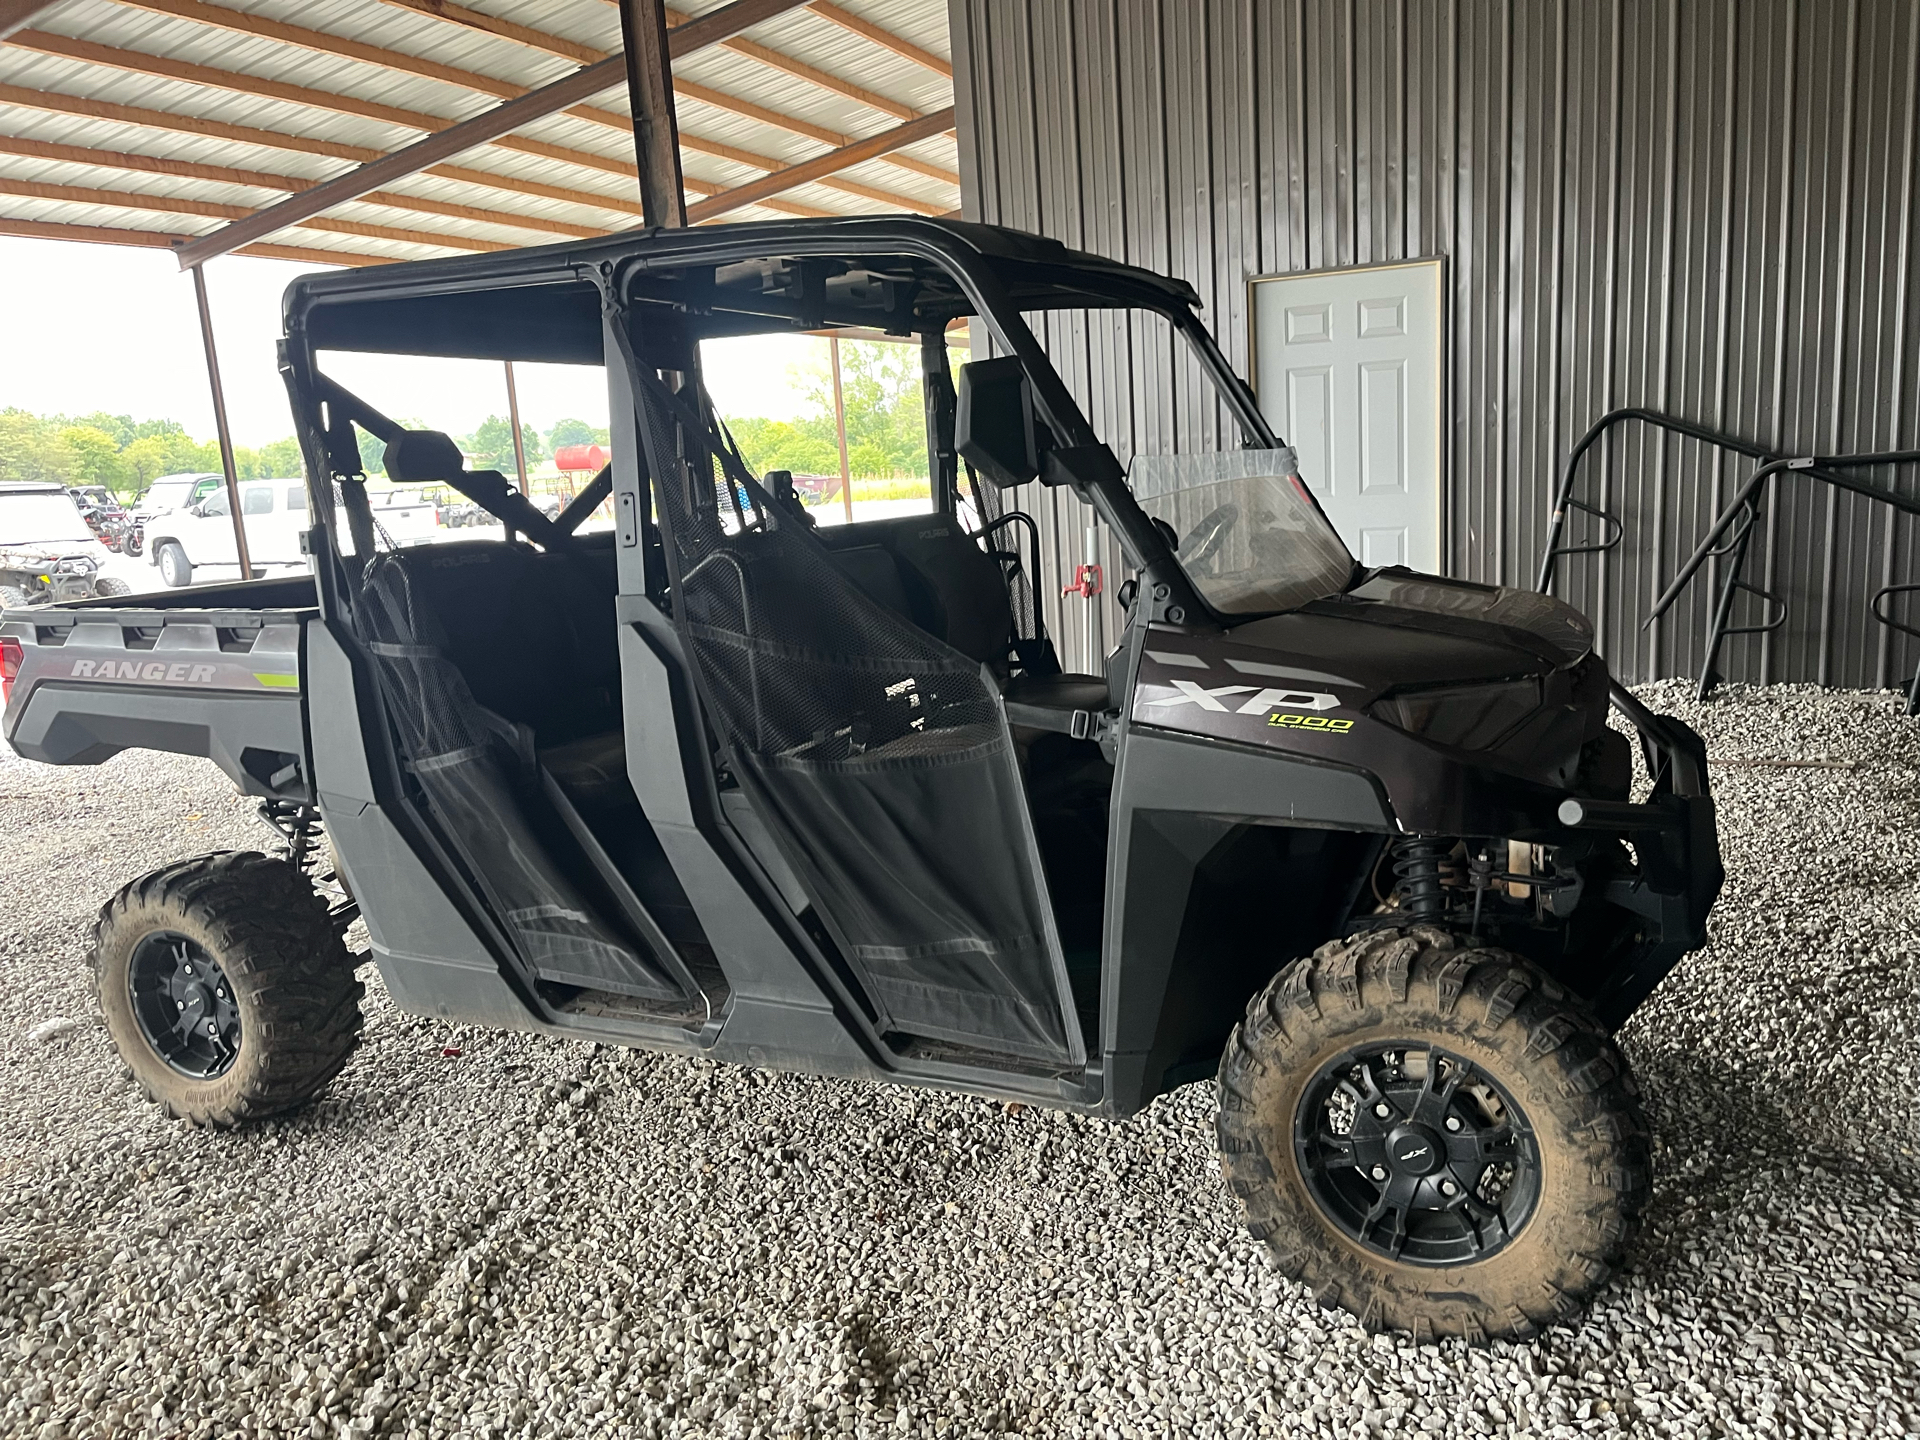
x=183, y=1004
x=226, y=987
x=1416, y=1154
x=1433, y=1134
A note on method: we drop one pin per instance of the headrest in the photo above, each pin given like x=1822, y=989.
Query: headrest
x=418, y=457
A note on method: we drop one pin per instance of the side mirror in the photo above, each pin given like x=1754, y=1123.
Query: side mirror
x=994, y=426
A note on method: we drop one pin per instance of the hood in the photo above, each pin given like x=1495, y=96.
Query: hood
x=25, y=553
x=1470, y=704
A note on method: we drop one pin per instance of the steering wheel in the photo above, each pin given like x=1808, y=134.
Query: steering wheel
x=1206, y=538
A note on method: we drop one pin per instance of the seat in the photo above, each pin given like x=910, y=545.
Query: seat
x=592, y=770
x=928, y=569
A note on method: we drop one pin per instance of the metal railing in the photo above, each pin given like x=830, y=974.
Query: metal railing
x=1730, y=538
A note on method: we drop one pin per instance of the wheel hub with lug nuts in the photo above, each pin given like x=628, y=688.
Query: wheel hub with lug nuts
x=183, y=1004
x=1416, y=1153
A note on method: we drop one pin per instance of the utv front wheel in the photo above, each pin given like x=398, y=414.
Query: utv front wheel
x=225, y=987
x=1435, y=1137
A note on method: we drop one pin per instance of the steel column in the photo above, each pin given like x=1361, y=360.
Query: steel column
x=513, y=419
x=220, y=423
x=840, y=430
x=656, y=130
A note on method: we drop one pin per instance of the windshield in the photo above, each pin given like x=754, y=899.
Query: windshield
x=168, y=494
x=1247, y=533
x=37, y=518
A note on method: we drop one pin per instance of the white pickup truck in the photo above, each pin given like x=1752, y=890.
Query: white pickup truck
x=200, y=534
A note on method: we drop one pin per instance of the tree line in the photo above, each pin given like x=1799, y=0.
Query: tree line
x=121, y=453
x=880, y=388
x=127, y=455
x=886, y=423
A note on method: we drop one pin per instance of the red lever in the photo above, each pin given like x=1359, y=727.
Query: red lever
x=1087, y=582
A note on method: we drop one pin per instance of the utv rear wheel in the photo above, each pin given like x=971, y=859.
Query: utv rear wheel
x=1435, y=1137
x=225, y=988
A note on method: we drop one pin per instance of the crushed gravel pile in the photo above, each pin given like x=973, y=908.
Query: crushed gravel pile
x=491, y=1234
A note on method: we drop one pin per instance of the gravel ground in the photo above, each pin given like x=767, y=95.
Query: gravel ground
x=488, y=1234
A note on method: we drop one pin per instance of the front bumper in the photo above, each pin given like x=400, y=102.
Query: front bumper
x=1676, y=840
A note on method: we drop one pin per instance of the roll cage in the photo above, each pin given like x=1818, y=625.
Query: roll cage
x=673, y=289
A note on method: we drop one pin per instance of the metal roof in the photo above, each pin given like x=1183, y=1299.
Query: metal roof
x=149, y=122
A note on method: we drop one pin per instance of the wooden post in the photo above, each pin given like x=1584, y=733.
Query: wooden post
x=840, y=429
x=656, y=130
x=220, y=424
x=513, y=419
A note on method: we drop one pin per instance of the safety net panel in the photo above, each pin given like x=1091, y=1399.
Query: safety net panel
x=877, y=754
x=475, y=778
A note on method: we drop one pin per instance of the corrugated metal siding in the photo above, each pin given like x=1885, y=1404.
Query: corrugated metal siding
x=1703, y=206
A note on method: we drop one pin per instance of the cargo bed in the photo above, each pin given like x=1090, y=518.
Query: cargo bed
x=213, y=671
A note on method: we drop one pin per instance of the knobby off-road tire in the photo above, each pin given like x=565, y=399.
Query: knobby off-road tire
x=112, y=585
x=1522, y=1044
x=241, y=943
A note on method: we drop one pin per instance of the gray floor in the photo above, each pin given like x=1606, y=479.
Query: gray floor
x=493, y=1234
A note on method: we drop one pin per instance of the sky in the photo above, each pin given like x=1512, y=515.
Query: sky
x=108, y=327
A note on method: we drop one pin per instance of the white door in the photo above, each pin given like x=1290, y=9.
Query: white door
x=1347, y=366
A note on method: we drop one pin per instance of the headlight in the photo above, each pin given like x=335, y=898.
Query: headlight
x=1467, y=717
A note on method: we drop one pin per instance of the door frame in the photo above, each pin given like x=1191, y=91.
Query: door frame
x=1443, y=437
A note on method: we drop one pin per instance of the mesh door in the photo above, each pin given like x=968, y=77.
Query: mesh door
x=876, y=754
x=467, y=770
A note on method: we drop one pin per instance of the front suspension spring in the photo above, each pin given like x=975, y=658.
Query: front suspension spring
x=1416, y=873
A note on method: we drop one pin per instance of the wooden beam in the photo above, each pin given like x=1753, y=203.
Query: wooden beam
x=241, y=22
x=768, y=56
x=138, y=62
x=160, y=240
x=504, y=29
x=822, y=165
x=59, y=104
x=285, y=184
x=846, y=20
x=656, y=131
x=148, y=164
x=214, y=210
x=15, y=14
x=706, y=95
x=406, y=161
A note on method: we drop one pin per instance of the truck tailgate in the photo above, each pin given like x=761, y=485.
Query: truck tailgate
x=94, y=680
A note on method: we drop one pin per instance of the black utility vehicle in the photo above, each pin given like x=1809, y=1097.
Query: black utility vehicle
x=48, y=547
x=719, y=781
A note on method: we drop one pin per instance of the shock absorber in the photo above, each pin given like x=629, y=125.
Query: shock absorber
x=1416, y=874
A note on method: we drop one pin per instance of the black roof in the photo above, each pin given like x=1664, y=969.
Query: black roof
x=882, y=272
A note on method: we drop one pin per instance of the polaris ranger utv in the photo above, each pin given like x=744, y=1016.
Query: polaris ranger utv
x=48, y=548
x=717, y=781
